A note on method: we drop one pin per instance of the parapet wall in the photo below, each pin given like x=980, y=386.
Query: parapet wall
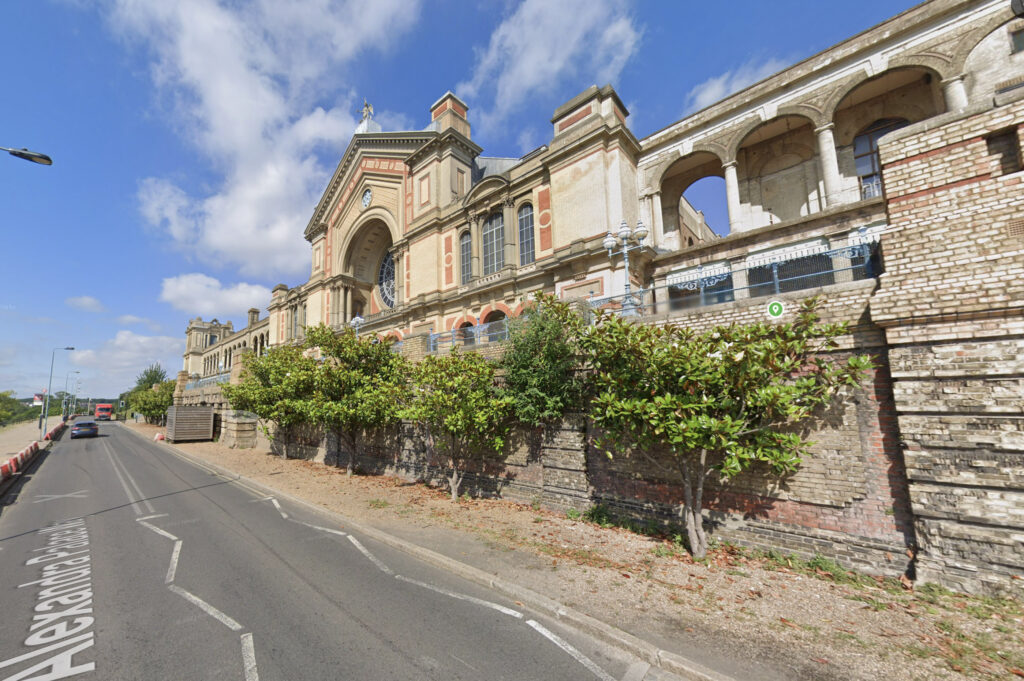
x=952, y=306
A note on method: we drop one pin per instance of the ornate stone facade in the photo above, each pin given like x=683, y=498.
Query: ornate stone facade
x=884, y=174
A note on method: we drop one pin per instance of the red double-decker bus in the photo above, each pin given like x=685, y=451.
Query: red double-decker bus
x=104, y=412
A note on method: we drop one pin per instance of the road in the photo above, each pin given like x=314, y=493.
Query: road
x=121, y=560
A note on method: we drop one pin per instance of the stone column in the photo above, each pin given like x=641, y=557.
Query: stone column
x=739, y=279
x=475, y=245
x=347, y=314
x=829, y=164
x=179, y=388
x=657, y=219
x=732, y=196
x=955, y=93
x=511, y=232
x=399, y=257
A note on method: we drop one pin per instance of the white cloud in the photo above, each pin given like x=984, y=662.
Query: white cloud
x=543, y=44
x=719, y=87
x=132, y=320
x=86, y=303
x=241, y=82
x=203, y=295
x=112, y=368
x=527, y=140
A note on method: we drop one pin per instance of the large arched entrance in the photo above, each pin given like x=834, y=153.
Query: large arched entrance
x=369, y=282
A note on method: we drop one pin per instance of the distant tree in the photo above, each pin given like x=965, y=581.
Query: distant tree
x=9, y=407
x=719, y=401
x=359, y=384
x=153, y=403
x=150, y=376
x=465, y=415
x=276, y=387
x=542, y=361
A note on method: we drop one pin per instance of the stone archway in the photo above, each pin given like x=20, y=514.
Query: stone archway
x=370, y=269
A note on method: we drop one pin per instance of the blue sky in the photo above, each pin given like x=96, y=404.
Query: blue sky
x=192, y=139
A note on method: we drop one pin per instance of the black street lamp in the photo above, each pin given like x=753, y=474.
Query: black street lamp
x=34, y=156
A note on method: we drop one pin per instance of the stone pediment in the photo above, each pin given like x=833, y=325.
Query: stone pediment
x=378, y=153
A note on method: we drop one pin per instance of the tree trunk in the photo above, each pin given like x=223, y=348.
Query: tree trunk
x=693, y=492
x=349, y=442
x=454, y=482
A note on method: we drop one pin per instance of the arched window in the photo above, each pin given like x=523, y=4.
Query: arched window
x=494, y=242
x=865, y=155
x=466, y=257
x=525, y=235
x=386, y=280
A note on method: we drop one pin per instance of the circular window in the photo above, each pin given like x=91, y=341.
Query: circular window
x=386, y=280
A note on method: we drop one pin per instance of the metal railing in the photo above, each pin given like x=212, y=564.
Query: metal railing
x=850, y=263
x=470, y=336
x=208, y=380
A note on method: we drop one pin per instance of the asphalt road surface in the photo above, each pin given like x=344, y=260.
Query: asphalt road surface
x=121, y=560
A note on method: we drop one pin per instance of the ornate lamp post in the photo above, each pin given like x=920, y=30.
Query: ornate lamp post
x=49, y=386
x=627, y=237
x=356, y=321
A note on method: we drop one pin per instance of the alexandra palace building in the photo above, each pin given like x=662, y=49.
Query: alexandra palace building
x=883, y=174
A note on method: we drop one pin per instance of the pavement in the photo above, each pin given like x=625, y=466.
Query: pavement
x=477, y=566
x=19, y=446
x=16, y=437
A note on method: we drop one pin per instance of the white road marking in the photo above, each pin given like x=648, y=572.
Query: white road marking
x=463, y=597
x=173, y=567
x=128, y=492
x=80, y=494
x=324, y=529
x=162, y=533
x=249, y=658
x=278, y=507
x=114, y=462
x=374, y=559
x=42, y=651
x=151, y=517
x=206, y=607
x=577, y=655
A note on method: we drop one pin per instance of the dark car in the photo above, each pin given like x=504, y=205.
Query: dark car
x=84, y=429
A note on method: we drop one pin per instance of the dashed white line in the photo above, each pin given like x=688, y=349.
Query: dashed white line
x=173, y=567
x=151, y=517
x=463, y=597
x=278, y=507
x=577, y=655
x=323, y=529
x=374, y=559
x=249, y=658
x=206, y=607
x=156, y=529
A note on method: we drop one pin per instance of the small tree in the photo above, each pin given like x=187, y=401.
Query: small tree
x=150, y=376
x=465, y=415
x=722, y=400
x=276, y=387
x=153, y=402
x=360, y=384
x=541, y=361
